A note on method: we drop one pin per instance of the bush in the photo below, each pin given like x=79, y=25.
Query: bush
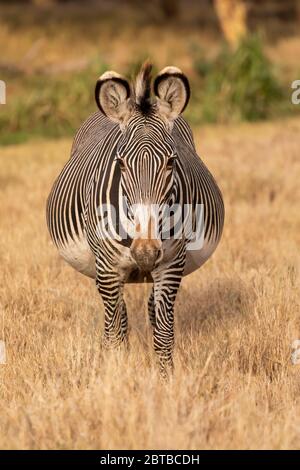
x=51, y=106
x=239, y=85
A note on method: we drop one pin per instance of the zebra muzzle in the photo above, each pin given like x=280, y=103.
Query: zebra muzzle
x=146, y=253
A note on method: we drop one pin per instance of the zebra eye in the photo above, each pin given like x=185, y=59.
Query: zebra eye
x=121, y=163
x=171, y=161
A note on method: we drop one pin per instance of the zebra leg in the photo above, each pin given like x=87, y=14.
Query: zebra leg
x=110, y=287
x=166, y=284
x=165, y=291
x=124, y=321
x=151, y=308
x=163, y=331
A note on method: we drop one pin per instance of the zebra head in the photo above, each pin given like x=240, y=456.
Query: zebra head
x=146, y=152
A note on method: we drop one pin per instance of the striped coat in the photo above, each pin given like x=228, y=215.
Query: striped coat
x=139, y=150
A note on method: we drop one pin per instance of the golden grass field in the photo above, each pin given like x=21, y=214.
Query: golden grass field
x=234, y=386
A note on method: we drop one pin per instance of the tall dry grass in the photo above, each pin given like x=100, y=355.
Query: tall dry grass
x=234, y=385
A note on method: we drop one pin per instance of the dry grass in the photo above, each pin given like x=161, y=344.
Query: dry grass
x=234, y=385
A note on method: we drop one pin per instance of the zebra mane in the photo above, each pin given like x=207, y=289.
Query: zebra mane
x=142, y=88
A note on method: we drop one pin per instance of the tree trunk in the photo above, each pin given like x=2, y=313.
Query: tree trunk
x=232, y=16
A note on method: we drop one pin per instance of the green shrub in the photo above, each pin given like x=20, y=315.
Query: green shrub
x=238, y=85
x=233, y=86
x=51, y=106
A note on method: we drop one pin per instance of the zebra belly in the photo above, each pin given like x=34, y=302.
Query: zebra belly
x=196, y=258
x=79, y=255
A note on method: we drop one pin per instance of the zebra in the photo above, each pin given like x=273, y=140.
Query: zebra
x=136, y=148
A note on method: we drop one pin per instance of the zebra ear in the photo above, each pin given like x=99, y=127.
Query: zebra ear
x=172, y=88
x=112, y=94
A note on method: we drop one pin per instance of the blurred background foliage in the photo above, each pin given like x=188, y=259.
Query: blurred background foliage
x=239, y=84
x=238, y=55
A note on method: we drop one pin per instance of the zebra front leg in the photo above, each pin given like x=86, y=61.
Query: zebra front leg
x=165, y=291
x=151, y=308
x=124, y=322
x=166, y=281
x=110, y=287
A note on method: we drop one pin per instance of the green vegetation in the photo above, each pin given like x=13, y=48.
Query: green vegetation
x=239, y=85
x=51, y=106
x=234, y=86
